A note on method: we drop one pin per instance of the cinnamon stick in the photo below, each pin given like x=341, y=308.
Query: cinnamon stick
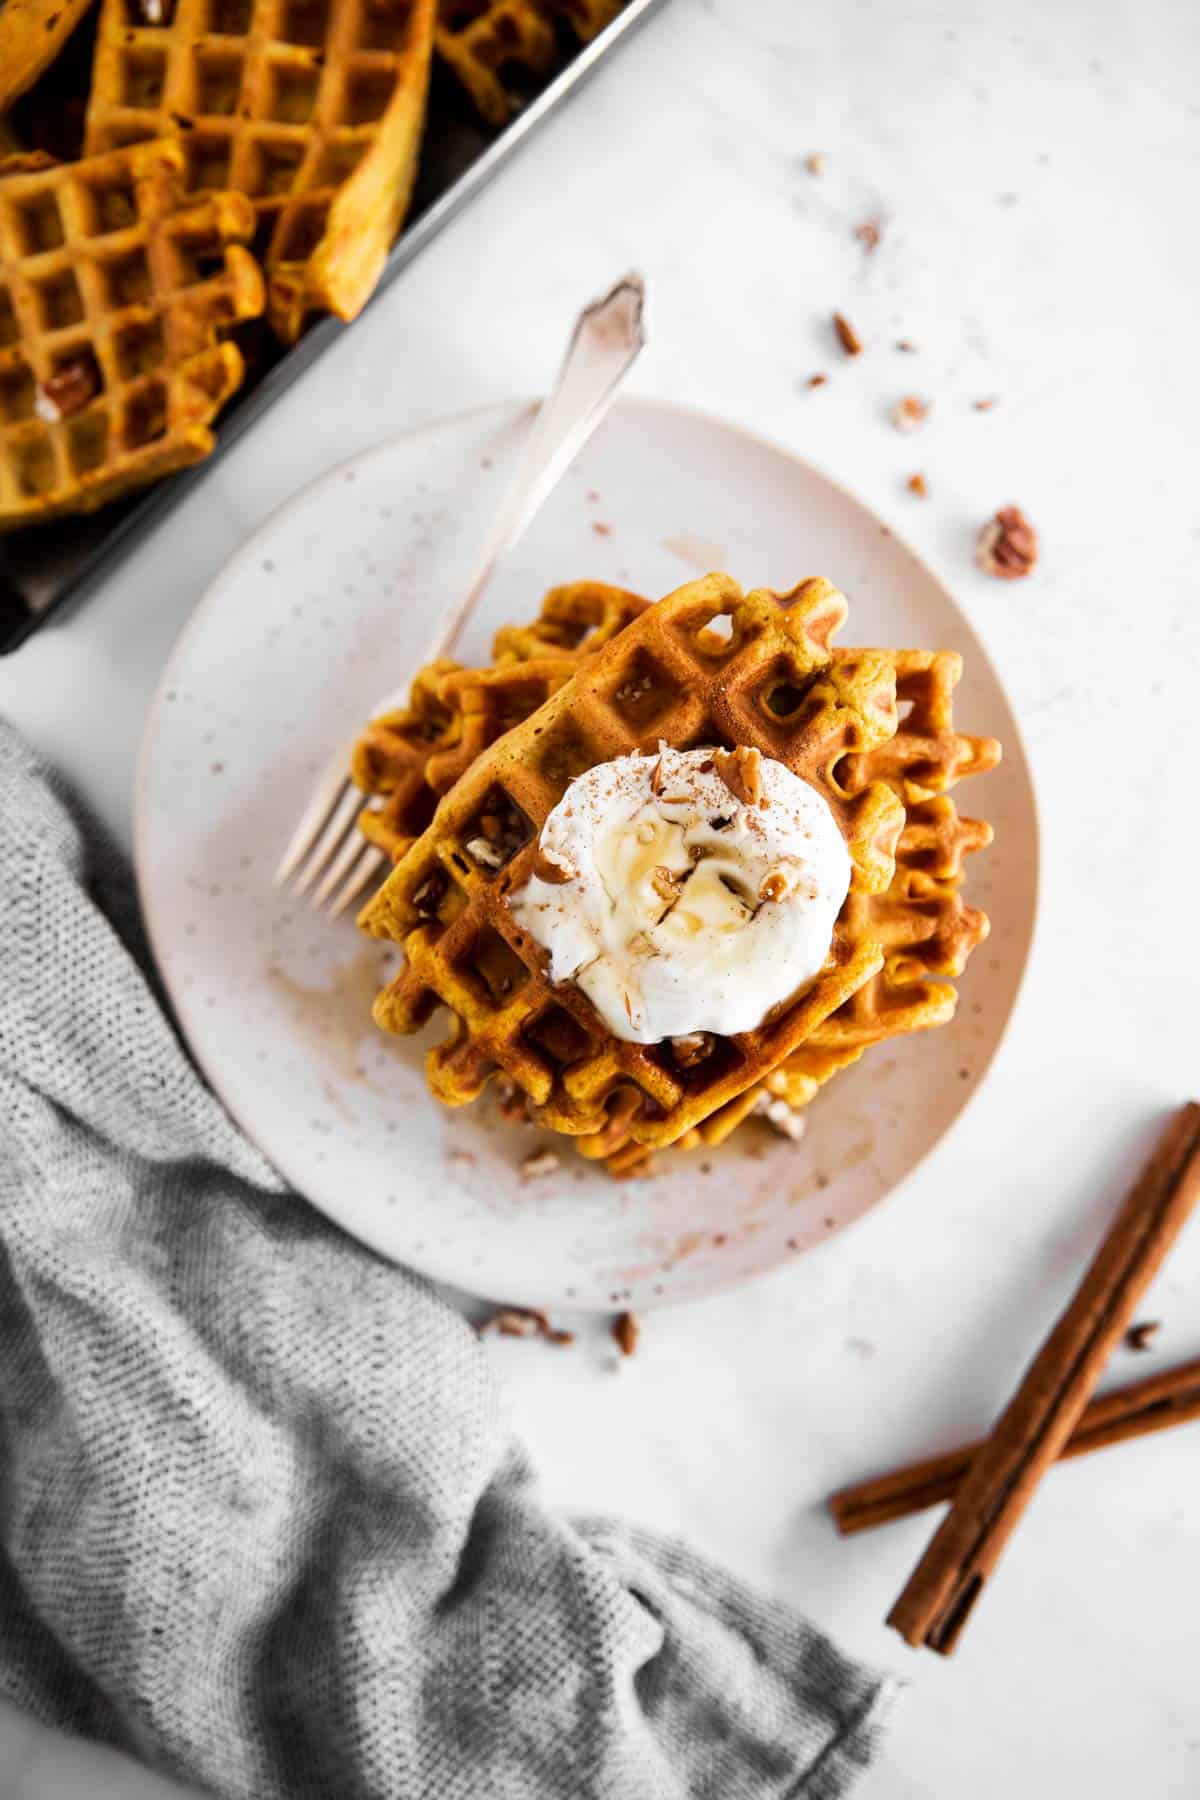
x=1034, y=1429
x=1170, y=1397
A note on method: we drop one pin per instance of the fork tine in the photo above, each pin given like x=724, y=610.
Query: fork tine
x=340, y=822
x=339, y=868
x=324, y=798
x=368, y=865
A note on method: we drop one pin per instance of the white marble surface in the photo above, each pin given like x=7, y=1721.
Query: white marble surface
x=1037, y=169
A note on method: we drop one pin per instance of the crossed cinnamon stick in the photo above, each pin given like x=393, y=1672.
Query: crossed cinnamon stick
x=992, y=1483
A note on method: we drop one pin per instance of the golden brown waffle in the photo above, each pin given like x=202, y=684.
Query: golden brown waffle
x=767, y=680
x=575, y=620
x=927, y=930
x=112, y=301
x=314, y=108
x=409, y=757
x=32, y=32
x=502, y=50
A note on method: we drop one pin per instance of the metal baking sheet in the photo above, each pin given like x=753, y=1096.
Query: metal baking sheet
x=45, y=566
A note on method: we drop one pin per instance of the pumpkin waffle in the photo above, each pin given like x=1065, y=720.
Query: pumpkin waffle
x=502, y=50
x=32, y=32
x=313, y=108
x=707, y=665
x=406, y=759
x=925, y=927
x=113, y=299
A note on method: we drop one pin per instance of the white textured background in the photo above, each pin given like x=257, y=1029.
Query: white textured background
x=1038, y=170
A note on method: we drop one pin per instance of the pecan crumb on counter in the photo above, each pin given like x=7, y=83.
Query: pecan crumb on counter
x=870, y=233
x=814, y=162
x=1142, y=1335
x=847, y=337
x=525, y=1322
x=539, y=1163
x=741, y=771
x=818, y=380
x=918, y=485
x=986, y=404
x=909, y=412
x=1007, y=546
x=625, y=1333
x=907, y=346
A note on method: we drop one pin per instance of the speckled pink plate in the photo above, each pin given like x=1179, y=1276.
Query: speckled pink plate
x=327, y=608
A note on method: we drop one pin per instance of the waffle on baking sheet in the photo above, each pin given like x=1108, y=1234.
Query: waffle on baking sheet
x=312, y=108
x=407, y=758
x=502, y=50
x=32, y=32
x=768, y=680
x=114, y=298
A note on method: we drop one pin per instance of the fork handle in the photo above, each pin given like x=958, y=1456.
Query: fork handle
x=608, y=337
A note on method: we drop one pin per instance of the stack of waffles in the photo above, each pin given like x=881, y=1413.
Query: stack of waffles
x=461, y=782
x=240, y=157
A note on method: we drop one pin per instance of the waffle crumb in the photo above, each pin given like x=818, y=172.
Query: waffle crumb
x=625, y=1333
x=540, y=1163
x=1007, y=547
x=909, y=412
x=847, y=337
x=917, y=484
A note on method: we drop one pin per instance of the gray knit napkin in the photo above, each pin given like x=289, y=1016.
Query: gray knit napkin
x=261, y=1521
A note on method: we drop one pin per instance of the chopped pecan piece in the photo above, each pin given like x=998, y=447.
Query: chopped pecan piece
x=72, y=386
x=1007, y=546
x=909, y=412
x=847, y=337
x=539, y=1163
x=692, y=1048
x=741, y=771
x=553, y=873
x=625, y=1333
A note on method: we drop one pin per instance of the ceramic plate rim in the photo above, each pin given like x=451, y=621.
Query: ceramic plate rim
x=514, y=409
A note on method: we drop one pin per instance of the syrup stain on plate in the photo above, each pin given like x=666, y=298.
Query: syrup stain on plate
x=335, y=1016
x=698, y=553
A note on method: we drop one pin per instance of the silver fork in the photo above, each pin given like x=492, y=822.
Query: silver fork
x=326, y=848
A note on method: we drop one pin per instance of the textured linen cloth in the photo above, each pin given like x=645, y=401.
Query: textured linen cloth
x=261, y=1521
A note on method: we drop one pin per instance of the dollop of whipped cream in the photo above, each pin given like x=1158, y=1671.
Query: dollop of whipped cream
x=686, y=891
